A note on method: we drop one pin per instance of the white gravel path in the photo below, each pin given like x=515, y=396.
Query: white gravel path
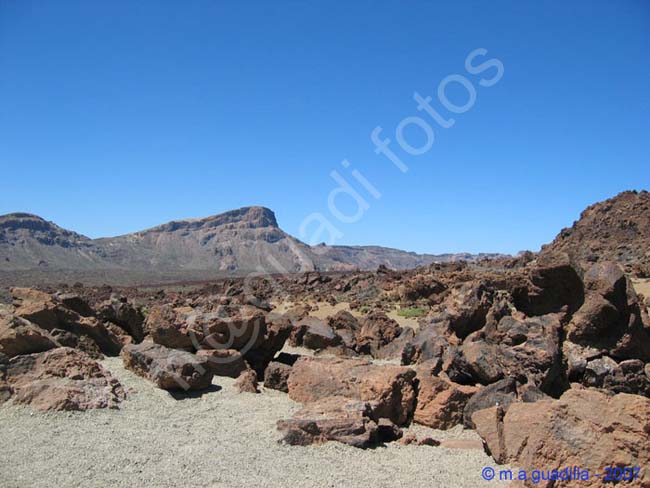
x=220, y=439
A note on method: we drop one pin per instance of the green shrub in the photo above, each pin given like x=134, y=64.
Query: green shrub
x=411, y=312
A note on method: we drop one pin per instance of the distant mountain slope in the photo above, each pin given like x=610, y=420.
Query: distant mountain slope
x=235, y=242
x=27, y=241
x=616, y=229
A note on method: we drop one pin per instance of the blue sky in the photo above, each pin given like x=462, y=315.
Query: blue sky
x=116, y=116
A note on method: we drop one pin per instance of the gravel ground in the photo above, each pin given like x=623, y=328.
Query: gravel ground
x=221, y=438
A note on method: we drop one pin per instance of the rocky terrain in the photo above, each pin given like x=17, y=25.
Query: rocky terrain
x=541, y=362
x=238, y=242
x=617, y=229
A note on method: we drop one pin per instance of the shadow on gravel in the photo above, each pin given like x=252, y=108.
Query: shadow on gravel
x=184, y=395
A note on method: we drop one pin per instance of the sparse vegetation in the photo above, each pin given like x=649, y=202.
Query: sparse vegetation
x=411, y=312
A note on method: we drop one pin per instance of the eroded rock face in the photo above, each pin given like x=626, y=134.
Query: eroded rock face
x=125, y=315
x=224, y=362
x=169, y=327
x=585, y=428
x=466, y=308
x=314, y=333
x=169, y=369
x=62, y=379
x=441, y=402
x=19, y=336
x=528, y=349
x=335, y=418
x=278, y=330
x=276, y=376
x=554, y=285
x=611, y=317
x=377, y=331
x=392, y=387
x=41, y=309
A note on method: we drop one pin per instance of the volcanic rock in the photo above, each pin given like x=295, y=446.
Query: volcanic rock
x=19, y=336
x=391, y=387
x=62, y=379
x=440, y=402
x=224, y=362
x=169, y=369
x=332, y=418
x=585, y=428
x=276, y=376
x=120, y=312
x=247, y=382
x=377, y=330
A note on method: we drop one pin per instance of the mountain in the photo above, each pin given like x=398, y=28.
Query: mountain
x=235, y=242
x=616, y=229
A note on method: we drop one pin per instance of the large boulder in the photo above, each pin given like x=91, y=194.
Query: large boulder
x=466, y=308
x=61, y=379
x=169, y=369
x=119, y=311
x=440, y=402
x=345, y=325
x=314, y=333
x=429, y=343
x=553, y=285
x=224, y=362
x=42, y=309
x=276, y=376
x=391, y=387
x=242, y=328
x=19, y=336
x=528, y=349
x=585, y=428
x=611, y=316
x=502, y=393
x=340, y=419
x=277, y=332
x=169, y=327
x=377, y=331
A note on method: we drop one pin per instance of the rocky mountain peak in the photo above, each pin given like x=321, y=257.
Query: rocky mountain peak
x=245, y=217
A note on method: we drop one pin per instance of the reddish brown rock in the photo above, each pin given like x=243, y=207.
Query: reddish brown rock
x=585, y=428
x=314, y=333
x=466, y=308
x=346, y=326
x=19, y=336
x=247, y=382
x=377, y=330
x=62, y=379
x=391, y=387
x=611, y=316
x=119, y=311
x=169, y=369
x=276, y=376
x=332, y=419
x=441, y=402
x=554, y=285
x=242, y=328
x=224, y=362
x=278, y=329
x=169, y=327
x=527, y=349
x=41, y=309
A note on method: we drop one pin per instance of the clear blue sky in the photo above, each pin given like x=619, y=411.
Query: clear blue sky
x=120, y=115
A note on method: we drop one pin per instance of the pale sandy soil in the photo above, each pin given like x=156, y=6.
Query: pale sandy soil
x=219, y=439
x=642, y=286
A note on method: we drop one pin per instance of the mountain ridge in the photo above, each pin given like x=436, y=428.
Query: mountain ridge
x=237, y=241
